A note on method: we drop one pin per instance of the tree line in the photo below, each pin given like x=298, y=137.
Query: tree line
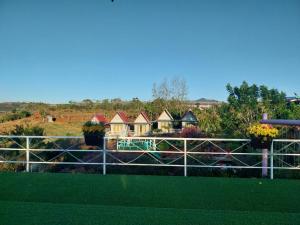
x=245, y=106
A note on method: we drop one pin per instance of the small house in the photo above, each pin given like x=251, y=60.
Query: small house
x=142, y=125
x=165, y=122
x=189, y=119
x=50, y=119
x=119, y=125
x=99, y=118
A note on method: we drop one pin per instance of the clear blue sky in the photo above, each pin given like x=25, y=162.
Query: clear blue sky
x=61, y=50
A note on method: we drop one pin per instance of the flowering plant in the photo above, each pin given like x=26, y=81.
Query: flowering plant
x=262, y=135
x=262, y=130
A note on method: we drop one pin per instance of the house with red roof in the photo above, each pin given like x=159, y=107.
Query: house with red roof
x=142, y=125
x=119, y=125
x=99, y=118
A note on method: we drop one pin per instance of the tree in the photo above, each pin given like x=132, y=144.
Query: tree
x=274, y=103
x=209, y=121
x=175, y=89
x=171, y=94
x=242, y=109
x=246, y=104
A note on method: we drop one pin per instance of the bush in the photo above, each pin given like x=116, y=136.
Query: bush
x=27, y=130
x=14, y=116
x=93, y=128
x=93, y=133
x=191, y=132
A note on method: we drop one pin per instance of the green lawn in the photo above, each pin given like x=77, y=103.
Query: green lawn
x=94, y=199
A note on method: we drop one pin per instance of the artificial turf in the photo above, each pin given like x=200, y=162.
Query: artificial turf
x=94, y=199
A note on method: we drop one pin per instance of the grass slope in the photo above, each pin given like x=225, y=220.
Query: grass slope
x=95, y=199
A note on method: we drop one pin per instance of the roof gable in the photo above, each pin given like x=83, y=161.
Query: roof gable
x=165, y=116
x=99, y=118
x=142, y=118
x=120, y=117
x=189, y=117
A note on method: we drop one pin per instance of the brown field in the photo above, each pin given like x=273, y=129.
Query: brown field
x=67, y=123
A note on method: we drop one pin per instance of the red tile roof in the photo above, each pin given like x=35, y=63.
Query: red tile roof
x=123, y=116
x=146, y=117
x=101, y=118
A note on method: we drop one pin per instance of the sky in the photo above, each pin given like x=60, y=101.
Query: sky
x=60, y=50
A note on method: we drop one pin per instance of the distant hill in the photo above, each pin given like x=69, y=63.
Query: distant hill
x=204, y=100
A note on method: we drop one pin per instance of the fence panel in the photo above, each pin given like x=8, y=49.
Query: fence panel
x=186, y=155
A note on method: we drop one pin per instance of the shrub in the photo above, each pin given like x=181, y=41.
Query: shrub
x=27, y=130
x=191, y=132
x=261, y=135
x=90, y=128
x=94, y=133
x=14, y=116
x=262, y=130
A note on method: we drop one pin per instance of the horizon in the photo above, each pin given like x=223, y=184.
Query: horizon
x=60, y=51
x=94, y=100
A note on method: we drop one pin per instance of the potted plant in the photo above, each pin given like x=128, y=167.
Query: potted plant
x=262, y=135
x=94, y=133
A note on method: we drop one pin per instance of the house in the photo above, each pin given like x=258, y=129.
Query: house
x=203, y=103
x=189, y=119
x=119, y=125
x=165, y=122
x=142, y=125
x=50, y=119
x=295, y=100
x=99, y=118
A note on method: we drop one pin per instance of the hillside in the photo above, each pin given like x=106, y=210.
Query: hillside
x=67, y=123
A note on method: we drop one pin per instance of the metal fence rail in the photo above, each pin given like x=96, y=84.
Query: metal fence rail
x=185, y=153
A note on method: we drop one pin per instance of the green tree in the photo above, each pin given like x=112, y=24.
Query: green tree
x=209, y=121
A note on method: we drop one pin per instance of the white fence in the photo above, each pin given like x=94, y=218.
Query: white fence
x=32, y=152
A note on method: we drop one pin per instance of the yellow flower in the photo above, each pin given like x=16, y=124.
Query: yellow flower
x=263, y=130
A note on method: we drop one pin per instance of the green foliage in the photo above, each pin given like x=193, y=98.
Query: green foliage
x=246, y=104
x=93, y=128
x=209, y=121
x=21, y=130
x=14, y=115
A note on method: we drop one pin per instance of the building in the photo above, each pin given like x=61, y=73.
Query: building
x=50, y=119
x=203, y=103
x=142, y=125
x=165, y=122
x=99, y=118
x=295, y=100
x=119, y=125
x=189, y=119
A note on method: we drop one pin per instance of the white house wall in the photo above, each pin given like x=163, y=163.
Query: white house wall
x=140, y=119
x=164, y=116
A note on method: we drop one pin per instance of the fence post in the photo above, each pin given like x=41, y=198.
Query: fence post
x=265, y=162
x=185, y=158
x=104, y=156
x=272, y=161
x=27, y=153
